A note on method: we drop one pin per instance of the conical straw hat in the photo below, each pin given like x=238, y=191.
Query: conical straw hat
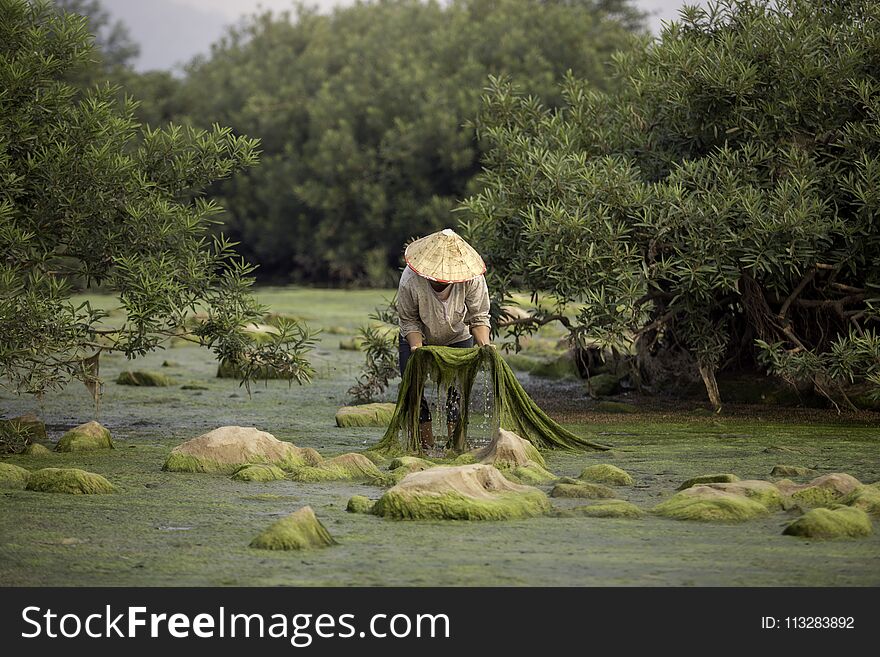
x=444, y=257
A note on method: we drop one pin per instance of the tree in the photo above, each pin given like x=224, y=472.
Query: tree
x=362, y=116
x=715, y=211
x=88, y=199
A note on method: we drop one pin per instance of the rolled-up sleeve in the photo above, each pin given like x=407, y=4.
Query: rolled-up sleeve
x=477, y=302
x=408, y=312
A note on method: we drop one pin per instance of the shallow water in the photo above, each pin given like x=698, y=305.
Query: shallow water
x=185, y=529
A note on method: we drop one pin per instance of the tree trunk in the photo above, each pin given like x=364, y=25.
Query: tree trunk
x=708, y=374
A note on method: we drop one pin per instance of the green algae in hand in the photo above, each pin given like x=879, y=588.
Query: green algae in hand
x=839, y=522
x=300, y=530
x=458, y=368
x=13, y=477
x=85, y=437
x=72, y=481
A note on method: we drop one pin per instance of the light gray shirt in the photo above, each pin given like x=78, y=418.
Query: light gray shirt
x=421, y=311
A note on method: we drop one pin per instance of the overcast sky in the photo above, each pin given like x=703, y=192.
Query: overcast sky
x=171, y=32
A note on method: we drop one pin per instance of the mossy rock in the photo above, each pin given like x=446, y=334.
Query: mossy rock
x=607, y=509
x=347, y=467
x=375, y=457
x=258, y=472
x=359, y=504
x=86, y=437
x=822, y=491
x=791, y=471
x=720, y=478
x=530, y=474
x=404, y=465
x=603, y=385
x=13, y=477
x=706, y=504
x=466, y=492
x=365, y=415
x=170, y=363
x=29, y=424
x=605, y=473
x=614, y=407
x=36, y=449
x=562, y=367
x=467, y=458
x=228, y=370
x=837, y=522
x=225, y=449
x=300, y=530
x=583, y=490
x=866, y=498
x=144, y=379
x=72, y=481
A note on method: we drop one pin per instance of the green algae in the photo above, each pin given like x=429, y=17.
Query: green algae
x=347, y=467
x=36, y=449
x=85, y=437
x=13, y=477
x=717, y=506
x=605, y=473
x=404, y=465
x=583, y=490
x=144, y=379
x=177, y=462
x=71, y=481
x=866, y=498
x=837, y=522
x=513, y=408
x=365, y=415
x=782, y=470
x=455, y=506
x=826, y=490
x=718, y=478
x=531, y=474
x=605, y=509
x=300, y=530
x=359, y=504
x=258, y=472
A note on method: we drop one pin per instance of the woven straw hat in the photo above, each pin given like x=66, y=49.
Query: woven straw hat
x=444, y=257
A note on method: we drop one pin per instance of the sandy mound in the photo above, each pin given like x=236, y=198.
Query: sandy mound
x=821, y=491
x=507, y=450
x=365, y=415
x=300, y=530
x=85, y=437
x=708, y=503
x=840, y=522
x=226, y=448
x=605, y=473
x=68, y=480
x=709, y=479
x=347, y=467
x=466, y=492
x=13, y=477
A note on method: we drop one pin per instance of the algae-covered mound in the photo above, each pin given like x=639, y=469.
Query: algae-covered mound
x=821, y=491
x=866, y=498
x=36, y=449
x=85, y=437
x=300, y=530
x=706, y=503
x=347, y=467
x=365, y=415
x=258, y=472
x=605, y=473
x=530, y=475
x=13, y=477
x=463, y=492
x=404, y=465
x=447, y=367
x=225, y=449
x=144, y=379
x=763, y=492
x=709, y=479
x=838, y=522
x=68, y=480
x=359, y=504
x=582, y=489
x=517, y=459
x=605, y=509
x=782, y=470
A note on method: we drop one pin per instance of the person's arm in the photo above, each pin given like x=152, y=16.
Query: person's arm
x=408, y=317
x=477, y=317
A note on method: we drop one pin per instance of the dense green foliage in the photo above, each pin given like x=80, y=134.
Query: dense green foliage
x=88, y=198
x=361, y=114
x=718, y=209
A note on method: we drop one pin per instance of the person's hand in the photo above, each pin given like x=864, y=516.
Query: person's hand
x=415, y=346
